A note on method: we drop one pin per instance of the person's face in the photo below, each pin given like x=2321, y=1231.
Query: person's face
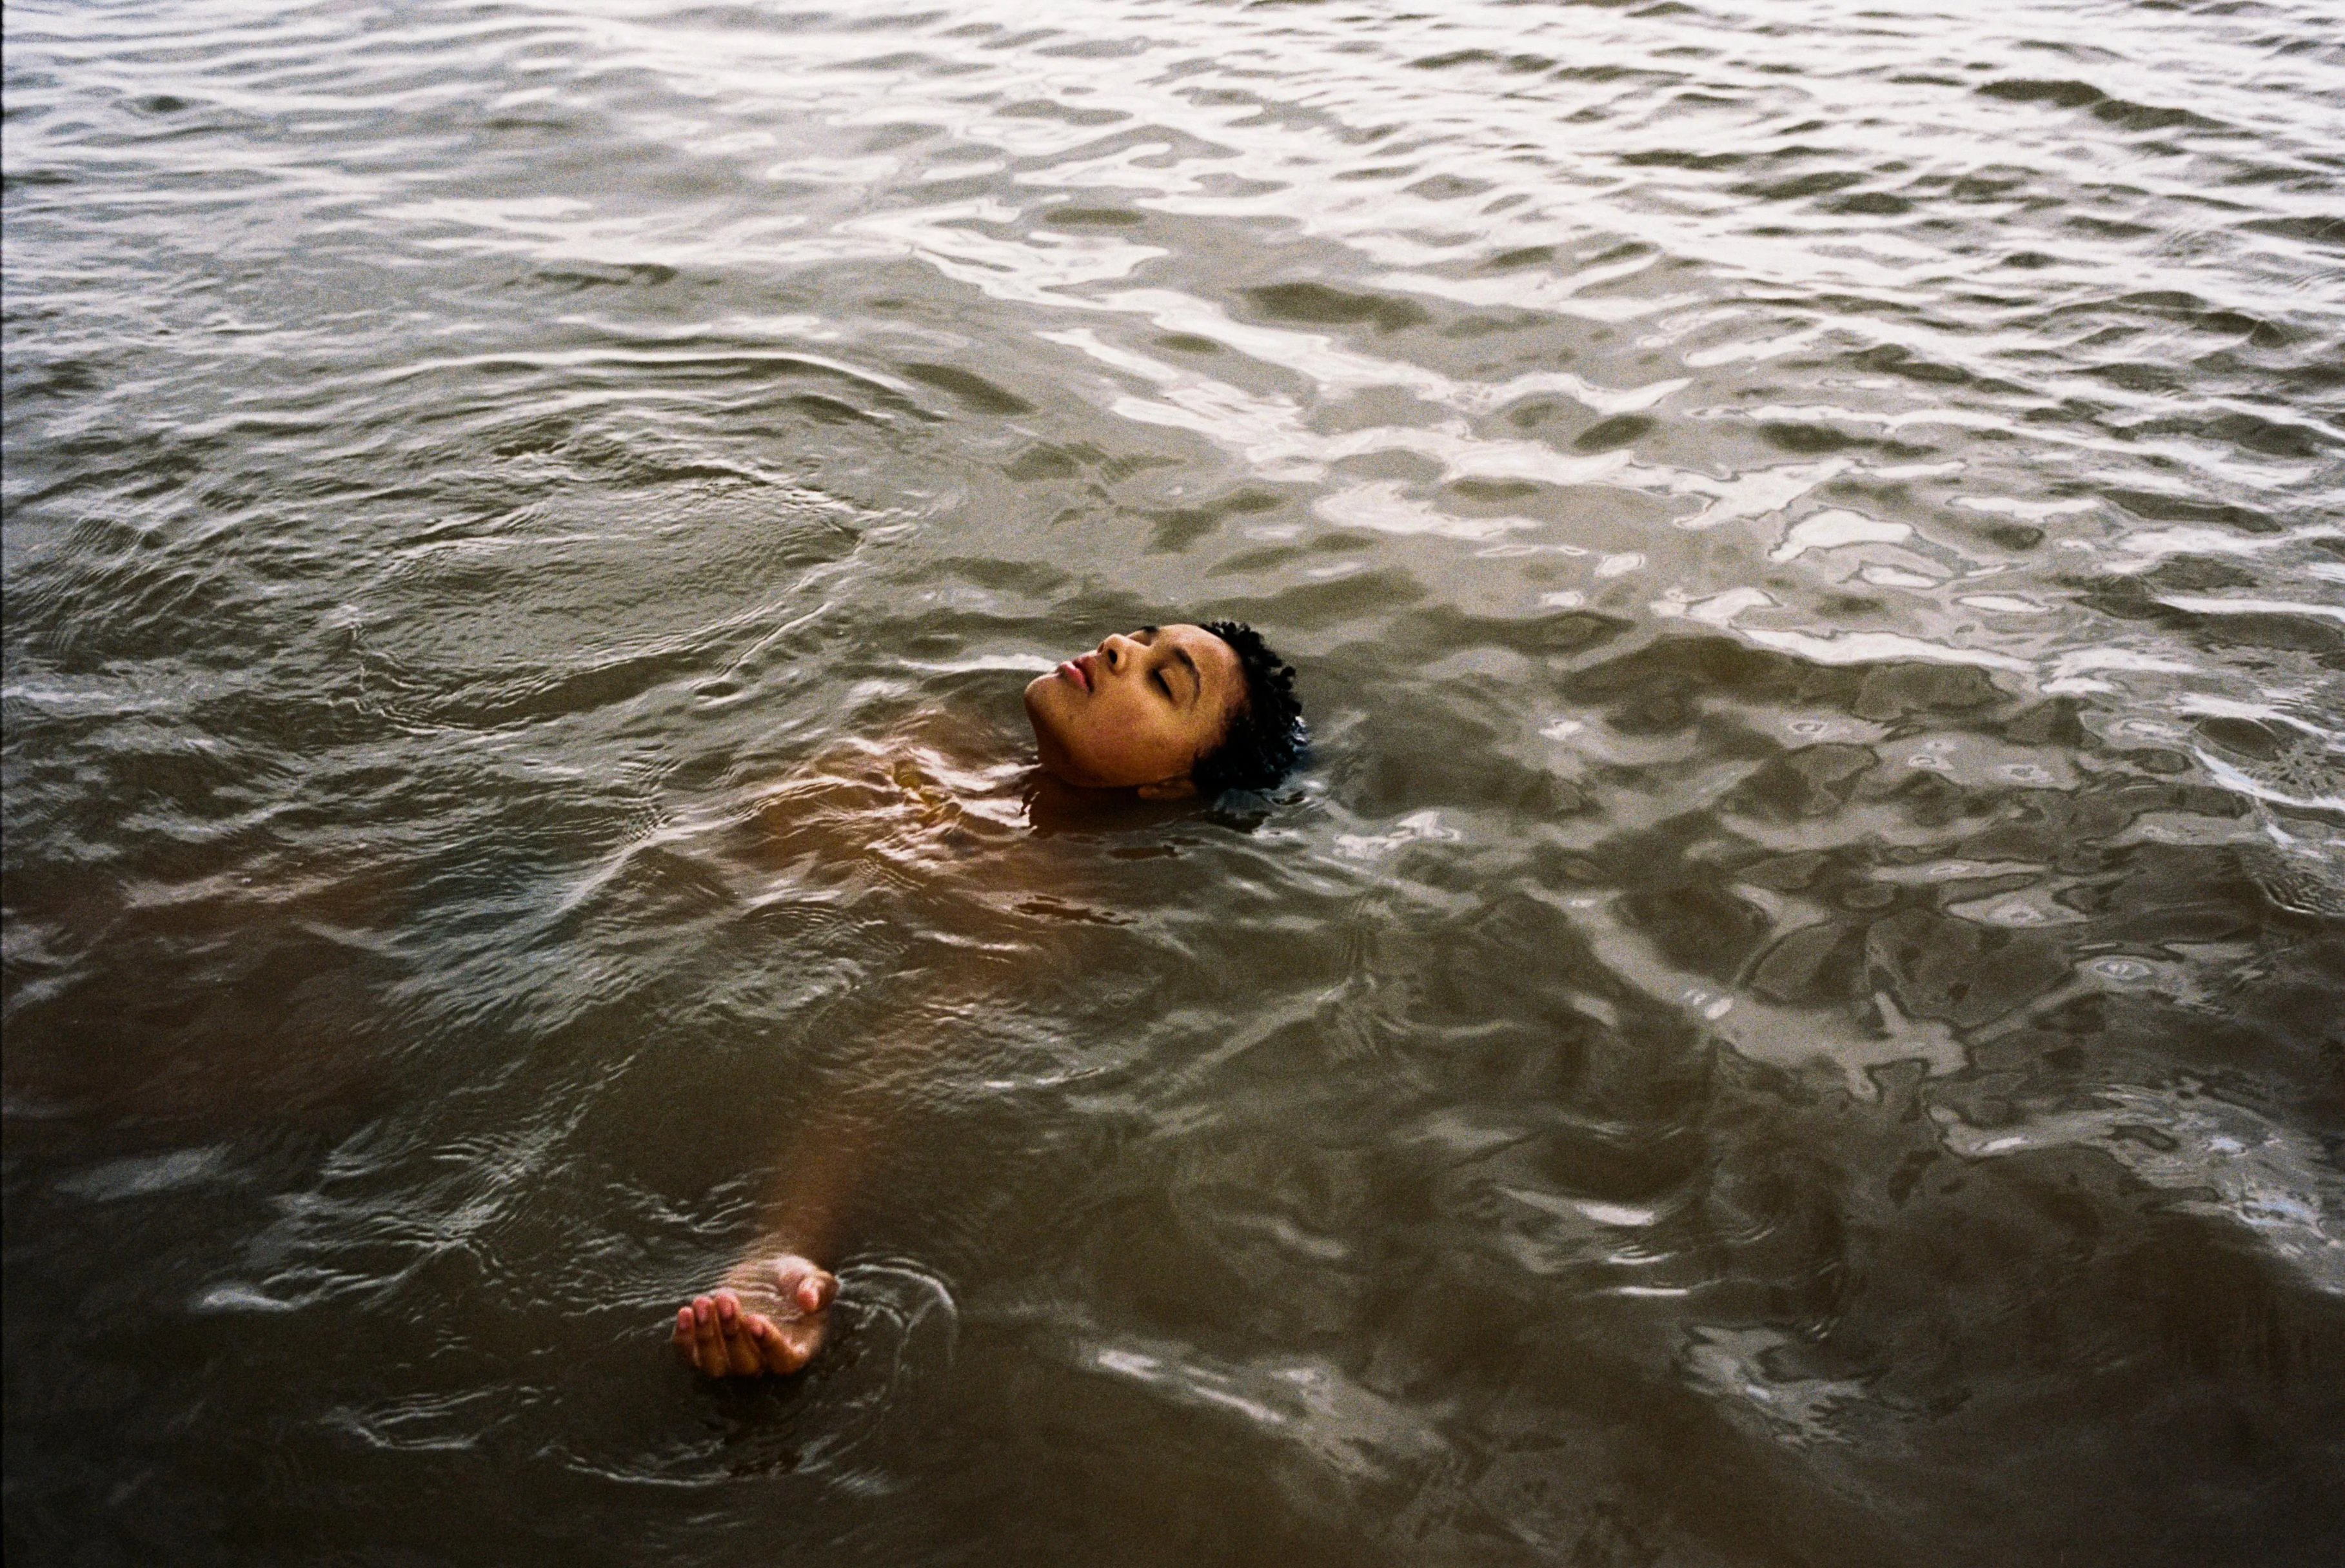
x=1137, y=710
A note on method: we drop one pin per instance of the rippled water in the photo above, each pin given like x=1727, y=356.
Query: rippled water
x=1792, y=1018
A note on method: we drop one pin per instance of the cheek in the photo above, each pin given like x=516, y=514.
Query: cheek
x=1124, y=743
x=1074, y=736
x=1100, y=732
x=1118, y=737
x=1157, y=743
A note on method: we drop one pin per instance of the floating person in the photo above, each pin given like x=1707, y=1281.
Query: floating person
x=1166, y=713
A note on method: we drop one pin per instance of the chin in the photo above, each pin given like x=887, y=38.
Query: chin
x=1039, y=704
x=1047, y=745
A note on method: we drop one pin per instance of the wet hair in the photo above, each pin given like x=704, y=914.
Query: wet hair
x=1264, y=735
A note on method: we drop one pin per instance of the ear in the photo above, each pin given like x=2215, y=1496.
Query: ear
x=1181, y=788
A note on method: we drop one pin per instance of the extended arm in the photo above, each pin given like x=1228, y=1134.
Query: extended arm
x=892, y=808
x=770, y=1314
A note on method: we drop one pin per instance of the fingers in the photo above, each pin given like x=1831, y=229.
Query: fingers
x=719, y=1335
x=699, y=1337
x=804, y=1288
x=814, y=1292
x=708, y=1339
x=718, y=1338
x=782, y=1357
x=743, y=1357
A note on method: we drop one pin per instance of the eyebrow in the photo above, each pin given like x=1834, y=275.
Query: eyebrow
x=1195, y=674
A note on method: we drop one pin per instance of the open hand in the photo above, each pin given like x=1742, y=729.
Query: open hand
x=767, y=1318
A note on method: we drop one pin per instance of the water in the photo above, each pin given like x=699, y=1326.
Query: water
x=1794, y=1015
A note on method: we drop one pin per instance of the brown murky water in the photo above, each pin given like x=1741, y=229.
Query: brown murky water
x=1792, y=1018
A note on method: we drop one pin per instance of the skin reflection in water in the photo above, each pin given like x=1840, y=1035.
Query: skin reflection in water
x=1161, y=714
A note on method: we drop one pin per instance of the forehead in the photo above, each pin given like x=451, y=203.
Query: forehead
x=1215, y=659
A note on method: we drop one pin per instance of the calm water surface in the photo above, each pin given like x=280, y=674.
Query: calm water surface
x=1793, y=1019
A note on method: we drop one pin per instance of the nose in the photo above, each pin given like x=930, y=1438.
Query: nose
x=1116, y=648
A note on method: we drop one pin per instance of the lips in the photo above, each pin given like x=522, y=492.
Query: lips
x=1078, y=671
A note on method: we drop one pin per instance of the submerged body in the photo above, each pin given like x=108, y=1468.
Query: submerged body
x=1162, y=713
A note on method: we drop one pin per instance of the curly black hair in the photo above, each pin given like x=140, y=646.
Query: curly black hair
x=1266, y=733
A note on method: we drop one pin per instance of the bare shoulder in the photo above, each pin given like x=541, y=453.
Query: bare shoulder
x=936, y=788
